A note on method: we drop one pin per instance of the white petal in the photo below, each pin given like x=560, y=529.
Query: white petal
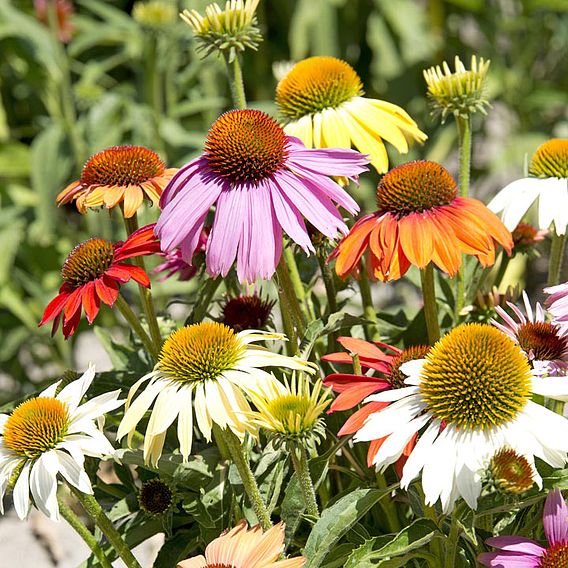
x=413, y=368
x=21, y=493
x=551, y=387
x=43, y=484
x=561, y=208
x=185, y=422
x=165, y=411
x=50, y=391
x=392, y=395
x=73, y=472
x=136, y=411
x=98, y=406
x=552, y=204
x=74, y=392
x=419, y=454
x=515, y=199
x=201, y=414
x=384, y=422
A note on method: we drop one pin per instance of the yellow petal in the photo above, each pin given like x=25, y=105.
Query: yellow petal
x=335, y=133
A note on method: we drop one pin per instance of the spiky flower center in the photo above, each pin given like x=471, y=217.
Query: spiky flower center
x=476, y=378
x=122, y=166
x=397, y=377
x=511, y=472
x=36, y=426
x=245, y=145
x=525, y=235
x=315, y=84
x=155, y=497
x=246, y=312
x=200, y=352
x=542, y=340
x=555, y=557
x=87, y=261
x=550, y=159
x=415, y=187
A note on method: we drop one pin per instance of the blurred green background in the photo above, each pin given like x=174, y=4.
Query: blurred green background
x=76, y=77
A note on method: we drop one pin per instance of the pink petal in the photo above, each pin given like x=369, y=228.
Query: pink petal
x=516, y=544
x=555, y=518
x=182, y=176
x=508, y=560
x=328, y=161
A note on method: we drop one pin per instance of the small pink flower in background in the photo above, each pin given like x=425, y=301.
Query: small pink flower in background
x=262, y=183
x=520, y=552
x=176, y=265
x=63, y=10
x=545, y=343
x=557, y=303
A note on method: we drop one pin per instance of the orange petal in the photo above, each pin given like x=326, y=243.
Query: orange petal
x=415, y=236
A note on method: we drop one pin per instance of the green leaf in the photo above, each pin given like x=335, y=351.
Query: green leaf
x=336, y=521
x=14, y=160
x=415, y=536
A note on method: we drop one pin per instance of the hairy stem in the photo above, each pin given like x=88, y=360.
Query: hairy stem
x=556, y=257
x=136, y=326
x=430, y=307
x=300, y=461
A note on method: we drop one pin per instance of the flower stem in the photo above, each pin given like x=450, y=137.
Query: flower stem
x=368, y=309
x=77, y=524
x=247, y=477
x=331, y=294
x=300, y=461
x=136, y=326
x=297, y=280
x=464, y=136
x=556, y=257
x=145, y=295
x=206, y=294
x=288, y=298
x=236, y=81
x=503, y=265
x=430, y=308
x=452, y=543
x=95, y=511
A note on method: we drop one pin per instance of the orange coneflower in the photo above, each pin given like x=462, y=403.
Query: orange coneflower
x=93, y=272
x=242, y=547
x=421, y=219
x=119, y=175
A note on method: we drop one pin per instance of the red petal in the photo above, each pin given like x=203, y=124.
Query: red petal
x=54, y=307
x=91, y=302
x=137, y=274
x=340, y=382
x=353, y=396
x=107, y=290
x=117, y=272
x=70, y=325
x=73, y=305
x=398, y=466
x=357, y=419
x=363, y=348
x=141, y=242
x=374, y=447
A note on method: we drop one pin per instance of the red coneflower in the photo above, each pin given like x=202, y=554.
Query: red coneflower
x=93, y=271
x=420, y=219
x=121, y=174
x=353, y=388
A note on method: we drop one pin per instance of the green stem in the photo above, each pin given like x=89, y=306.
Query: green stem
x=249, y=482
x=206, y=294
x=296, y=279
x=331, y=294
x=136, y=326
x=464, y=136
x=99, y=517
x=503, y=265
x=300, y=461
x=145, y=294
x=292, y=347
x=556, y=257
x=357, y=369
x=452, y=543
x=430, y=307
x=153, y=83
x=289, y=296
x=368, y=309
x=236, y=81
x=87, y=536
x=388, y=506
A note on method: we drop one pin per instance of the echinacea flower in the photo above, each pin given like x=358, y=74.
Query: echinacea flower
x=229, y=31
x=544, y=343
x=526, y=237
x=242, y=547
x=50, y=435
x=246, y=312
x=155, y=14
x=512, y=473
x=121, y=175
x=156, y=497
x=209, y=367
x=353, y=389
x=176, y=265
x=93, y=272
x=468, y=398
x=321, y=100
x=557, y=303
x=291, y=413
x=420, y=219
x=460, y=92
x=63, y=11
x=262, y=182
x=547, y=183
x=521, y=552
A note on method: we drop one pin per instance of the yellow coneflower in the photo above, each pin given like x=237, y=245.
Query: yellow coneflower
x=321, y=101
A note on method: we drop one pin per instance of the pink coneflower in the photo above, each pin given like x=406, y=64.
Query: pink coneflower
x=557, y=303
x=175, y=264
x=521, y=552
x=262, y=182
x=544, y=343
